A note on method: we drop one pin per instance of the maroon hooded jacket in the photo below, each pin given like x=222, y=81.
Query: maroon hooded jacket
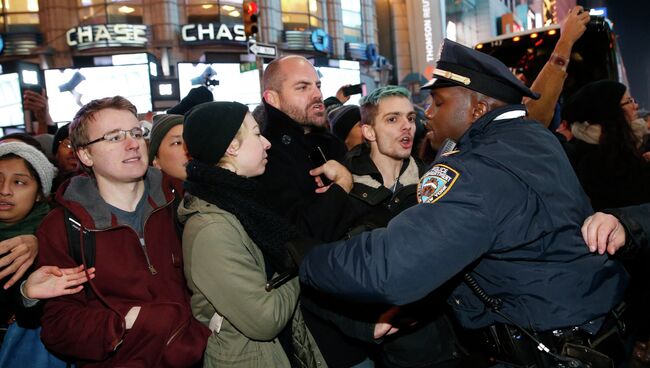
x=91, y=327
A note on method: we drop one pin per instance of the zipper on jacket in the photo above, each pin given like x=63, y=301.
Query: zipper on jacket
x=151, y=268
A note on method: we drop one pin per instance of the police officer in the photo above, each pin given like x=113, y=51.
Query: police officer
x=504, y=208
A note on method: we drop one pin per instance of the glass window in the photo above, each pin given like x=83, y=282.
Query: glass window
x=352, y=21
x=210, y=11
x=110, y=11
x=302, y=15
x=19, y=16
x=230, y=12
x=125, y=12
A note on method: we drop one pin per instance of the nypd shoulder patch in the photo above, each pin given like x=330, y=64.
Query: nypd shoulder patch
x=436, y=183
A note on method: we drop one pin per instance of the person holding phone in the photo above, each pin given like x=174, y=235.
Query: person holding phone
x=35, y=100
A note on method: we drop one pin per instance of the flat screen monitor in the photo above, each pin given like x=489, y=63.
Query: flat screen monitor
x=333, y=78
x=11, y=106
x=69, y=89
x=224, y=79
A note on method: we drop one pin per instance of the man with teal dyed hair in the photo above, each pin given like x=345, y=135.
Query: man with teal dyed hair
x=385, y=179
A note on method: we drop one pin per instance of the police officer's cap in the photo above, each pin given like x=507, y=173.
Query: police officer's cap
x=461, y=66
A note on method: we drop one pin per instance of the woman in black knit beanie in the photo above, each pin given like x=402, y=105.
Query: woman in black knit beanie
x=237, y=262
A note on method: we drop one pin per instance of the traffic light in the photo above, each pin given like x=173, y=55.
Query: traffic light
x=250, y=18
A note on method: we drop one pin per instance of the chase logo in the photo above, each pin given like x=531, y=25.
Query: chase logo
x=2, y=44
x=436, y=183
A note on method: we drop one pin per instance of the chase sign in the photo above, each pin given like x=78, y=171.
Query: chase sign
x=107, y=35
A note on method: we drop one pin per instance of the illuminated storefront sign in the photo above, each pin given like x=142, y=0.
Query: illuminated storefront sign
x=212, y=32
x=428, y=30
x=107, y=35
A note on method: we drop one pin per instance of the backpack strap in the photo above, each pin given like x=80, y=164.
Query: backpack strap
x=72, y=228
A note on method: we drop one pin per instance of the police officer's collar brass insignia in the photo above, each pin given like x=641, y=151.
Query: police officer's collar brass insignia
x=436, y=183
x=450, y=153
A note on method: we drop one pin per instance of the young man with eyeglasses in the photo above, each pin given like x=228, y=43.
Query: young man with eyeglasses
x=137, y=307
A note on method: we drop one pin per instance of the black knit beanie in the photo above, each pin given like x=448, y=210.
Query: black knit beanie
x=597, y=102
x=343, y=119
x=196, y=96
x=162, y=124
x=61, y=134
x=209, y=128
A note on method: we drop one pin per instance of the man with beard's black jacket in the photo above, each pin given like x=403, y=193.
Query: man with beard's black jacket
x=295, y=126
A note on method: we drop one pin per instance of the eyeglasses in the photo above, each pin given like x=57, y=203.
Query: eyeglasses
x=120, y=135
x=630, y=100
x=66, y=143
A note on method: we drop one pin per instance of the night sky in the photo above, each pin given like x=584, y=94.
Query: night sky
x=632, y=25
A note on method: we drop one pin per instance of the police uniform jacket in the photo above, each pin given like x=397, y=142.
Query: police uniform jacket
x=507, y=208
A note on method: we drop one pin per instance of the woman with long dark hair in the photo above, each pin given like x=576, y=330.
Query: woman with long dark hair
x=606, y=153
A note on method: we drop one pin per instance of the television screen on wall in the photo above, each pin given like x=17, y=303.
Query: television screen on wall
x=11, y=107
x=69, y=89
x=333, y=78
x=224, y=79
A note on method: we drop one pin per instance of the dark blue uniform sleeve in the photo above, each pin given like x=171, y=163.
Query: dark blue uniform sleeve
x=420, y=249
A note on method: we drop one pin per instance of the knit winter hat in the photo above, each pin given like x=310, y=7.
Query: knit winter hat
x=210, y=127
x=196, y=96
x=343, y=119
x=162, y=124
x=61, y=134
x=45, y=170
x=597, y=102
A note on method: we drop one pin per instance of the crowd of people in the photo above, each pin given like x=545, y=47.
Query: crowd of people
x=314, y=233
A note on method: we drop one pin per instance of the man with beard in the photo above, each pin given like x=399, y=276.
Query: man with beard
x=296, y=126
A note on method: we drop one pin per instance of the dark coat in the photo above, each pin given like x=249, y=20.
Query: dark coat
x=431, y=341
x=509, y=209
x=374, y=203
x=92, y=328
x=289, y=187
x=327, y=216
x=610, y=182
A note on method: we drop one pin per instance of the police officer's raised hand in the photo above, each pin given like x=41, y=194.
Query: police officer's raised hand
x=335, y=172
x=603, y=232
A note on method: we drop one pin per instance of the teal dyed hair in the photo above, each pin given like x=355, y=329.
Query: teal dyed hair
x=368, y=104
